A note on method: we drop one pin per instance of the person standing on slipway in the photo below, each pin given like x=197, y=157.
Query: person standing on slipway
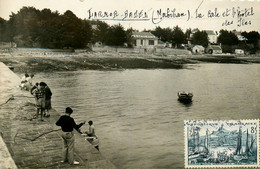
x=48, y=95
x=67, y=124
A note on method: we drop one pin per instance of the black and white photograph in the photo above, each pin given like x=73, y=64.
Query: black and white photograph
x=129, y=84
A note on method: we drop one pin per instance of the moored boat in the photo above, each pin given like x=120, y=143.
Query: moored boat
x=185, y=96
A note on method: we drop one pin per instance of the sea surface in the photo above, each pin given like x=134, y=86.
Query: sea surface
x=136, y=112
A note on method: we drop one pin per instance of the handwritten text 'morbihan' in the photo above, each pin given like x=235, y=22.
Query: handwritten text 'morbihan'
x=231, y=16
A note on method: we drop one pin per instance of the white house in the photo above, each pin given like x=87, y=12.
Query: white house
x=213, y=49
x=239, y=52
x=144, y=40
x=212, y=36
x=198, y=49
x=239, y=36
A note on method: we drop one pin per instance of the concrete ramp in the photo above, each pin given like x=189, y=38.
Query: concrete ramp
x=33, y=143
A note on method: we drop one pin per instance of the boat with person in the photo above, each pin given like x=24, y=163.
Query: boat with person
x=185, y=96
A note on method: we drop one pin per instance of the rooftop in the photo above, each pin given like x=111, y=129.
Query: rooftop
x=147, y=35
x=210, y=32
x=216, y=47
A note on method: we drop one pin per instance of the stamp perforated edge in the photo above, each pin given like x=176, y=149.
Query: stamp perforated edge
x=221, y=166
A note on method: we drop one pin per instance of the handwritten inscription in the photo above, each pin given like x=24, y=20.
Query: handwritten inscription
x=159, y=15
x=242, y=14
x=136, y=14
x=102, y=15
x=214, y=13
x=231, y=16
x=115, y=15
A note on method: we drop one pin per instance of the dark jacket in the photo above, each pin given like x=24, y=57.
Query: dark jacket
x=67, y=124
x=48, y=93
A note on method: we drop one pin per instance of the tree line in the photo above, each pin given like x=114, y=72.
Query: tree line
x=30, y=27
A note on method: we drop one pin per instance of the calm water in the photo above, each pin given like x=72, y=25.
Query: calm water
x=136, y=112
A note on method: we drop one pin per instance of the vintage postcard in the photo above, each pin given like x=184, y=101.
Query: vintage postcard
x=221, y=143
x=131, y=71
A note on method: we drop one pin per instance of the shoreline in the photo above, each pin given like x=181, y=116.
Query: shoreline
x=30, y=60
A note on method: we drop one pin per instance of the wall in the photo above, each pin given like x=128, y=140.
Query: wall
x=171, y=51
x=40, y=51
x=145, y=43
x=156, y=51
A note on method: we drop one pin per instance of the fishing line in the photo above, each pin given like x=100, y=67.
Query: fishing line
x=12, y=98
x=35, y=138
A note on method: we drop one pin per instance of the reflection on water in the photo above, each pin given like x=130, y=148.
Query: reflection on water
x=185, y=104
x=136, y=112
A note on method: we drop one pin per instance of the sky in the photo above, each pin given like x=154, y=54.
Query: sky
x=242, y=15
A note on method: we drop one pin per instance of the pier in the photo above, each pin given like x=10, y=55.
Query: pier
x=30, y=143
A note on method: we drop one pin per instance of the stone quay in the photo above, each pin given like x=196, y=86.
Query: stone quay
x=30, y=143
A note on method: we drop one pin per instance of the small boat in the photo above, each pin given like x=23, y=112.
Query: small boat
x=185, y=96
x=92, y=140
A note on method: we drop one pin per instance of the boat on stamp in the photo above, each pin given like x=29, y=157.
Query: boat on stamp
x=185, y=97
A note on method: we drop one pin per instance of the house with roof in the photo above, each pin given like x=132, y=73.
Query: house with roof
x=162, y=44
x=144, y=40
x=194, y=31
x=239, y=35
x=198, y=49
x=239, y=51
x=212, y=36
x=7, y=45
x=213, y=49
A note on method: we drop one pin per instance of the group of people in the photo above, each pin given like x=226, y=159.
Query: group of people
x=42, y=94
x=26, y=82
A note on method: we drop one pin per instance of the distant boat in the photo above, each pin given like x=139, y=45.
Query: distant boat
x=185, y=96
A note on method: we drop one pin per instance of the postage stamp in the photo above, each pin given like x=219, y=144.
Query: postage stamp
x=221, y=143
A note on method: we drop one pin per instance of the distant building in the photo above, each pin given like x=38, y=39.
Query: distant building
x=239, y=52
x=194, y=31
x=191, y=35
x=98, y=44
x=239, y=36
x=168, y=44
x=213, y=49
x=162, y=44
x=144, y=40
x=7, y=45
x=94, y=24
x=212, y=36
x=198, y=49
